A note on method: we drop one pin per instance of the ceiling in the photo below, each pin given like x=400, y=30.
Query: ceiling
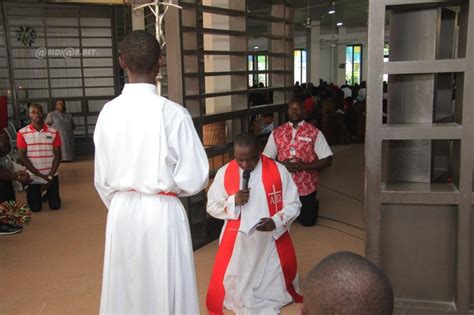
x=352, y=13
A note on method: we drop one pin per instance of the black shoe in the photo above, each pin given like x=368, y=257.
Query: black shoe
x=8, y=229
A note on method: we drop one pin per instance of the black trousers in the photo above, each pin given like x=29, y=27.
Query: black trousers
x=6, y=191
x=309, y=209
x=33, y=195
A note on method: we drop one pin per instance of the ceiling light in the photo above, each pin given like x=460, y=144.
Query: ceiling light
x=339, y=24
x=332, y=11
x=256, y=47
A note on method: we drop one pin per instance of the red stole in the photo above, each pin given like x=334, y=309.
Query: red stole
x=286, y=252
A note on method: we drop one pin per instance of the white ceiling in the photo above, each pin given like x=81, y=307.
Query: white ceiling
x=352, y=13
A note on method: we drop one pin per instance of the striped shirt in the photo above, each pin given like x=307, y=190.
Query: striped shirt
x=39, y=146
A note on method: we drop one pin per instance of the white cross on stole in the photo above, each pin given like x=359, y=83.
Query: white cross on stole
x=275, y=197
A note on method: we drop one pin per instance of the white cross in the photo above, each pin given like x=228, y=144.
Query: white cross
x=275, y=197
x=159, y=17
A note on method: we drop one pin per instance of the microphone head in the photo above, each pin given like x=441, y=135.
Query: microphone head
x=246, y=175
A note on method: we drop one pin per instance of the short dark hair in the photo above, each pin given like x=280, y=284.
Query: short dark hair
x=38, y=106
x=297, y=100
x=59, y=99
x=140, y=51
x=246, y=140
x=347, y=283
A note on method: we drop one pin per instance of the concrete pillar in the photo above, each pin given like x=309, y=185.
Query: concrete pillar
x=314, y=53
x=412, y=37
x=138, y=19
x=340, y=72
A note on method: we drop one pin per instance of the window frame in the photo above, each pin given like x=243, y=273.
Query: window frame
x=352, y=63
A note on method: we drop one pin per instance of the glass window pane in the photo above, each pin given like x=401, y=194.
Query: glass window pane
x=349, y=54
x=261, y=63
x=349, y=73
x=303, y=73
x=356, y=73
x=250, y=61
x=262, y=78
x=297, y=66
x=357, y=54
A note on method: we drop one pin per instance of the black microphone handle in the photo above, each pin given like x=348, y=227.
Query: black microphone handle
x=246, y=177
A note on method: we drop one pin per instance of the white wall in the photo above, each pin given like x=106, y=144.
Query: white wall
x=331, y=57
x=325, y=64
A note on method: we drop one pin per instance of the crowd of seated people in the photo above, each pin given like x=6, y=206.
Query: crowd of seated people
x=339, y=112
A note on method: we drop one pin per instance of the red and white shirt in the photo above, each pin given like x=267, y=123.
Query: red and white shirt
x=305, y=143
x=39, y=146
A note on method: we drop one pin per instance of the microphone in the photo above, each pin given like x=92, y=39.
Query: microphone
x=246, y=177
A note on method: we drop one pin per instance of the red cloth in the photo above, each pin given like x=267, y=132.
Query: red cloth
x=309, y=104
x=305, y=138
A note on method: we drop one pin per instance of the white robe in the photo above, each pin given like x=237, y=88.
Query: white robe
x=254, y=282
x=146, y=144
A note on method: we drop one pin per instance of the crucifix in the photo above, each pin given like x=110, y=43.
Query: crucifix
x=159, y=18
x=275, y=197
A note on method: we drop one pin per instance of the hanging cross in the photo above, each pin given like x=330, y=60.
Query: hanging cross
x=159, y=18
x=275, y=197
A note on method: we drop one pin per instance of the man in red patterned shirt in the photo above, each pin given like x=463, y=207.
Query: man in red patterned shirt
x=39, y=148
x=303, y=149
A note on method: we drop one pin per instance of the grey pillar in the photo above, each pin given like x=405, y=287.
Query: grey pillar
x=412, y=37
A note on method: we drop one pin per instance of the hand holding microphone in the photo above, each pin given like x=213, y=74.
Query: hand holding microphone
x=242, y=196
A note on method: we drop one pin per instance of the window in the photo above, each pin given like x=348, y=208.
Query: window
x=256, y=65
x=300, y=65
x=385, y=59
x=353, y=64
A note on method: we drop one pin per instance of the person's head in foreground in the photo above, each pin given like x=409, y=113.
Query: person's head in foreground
x=346, y=283
x=140, y=55
x=246, y=151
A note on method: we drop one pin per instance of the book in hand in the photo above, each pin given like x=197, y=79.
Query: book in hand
x=254, y=228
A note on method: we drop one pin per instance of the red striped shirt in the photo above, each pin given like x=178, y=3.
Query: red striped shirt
x=42, y=144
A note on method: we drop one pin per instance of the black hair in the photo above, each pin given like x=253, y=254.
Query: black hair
x=347, y=283
x=140, y=51
x=298, y=100
x=38, y=106
x=246, y=140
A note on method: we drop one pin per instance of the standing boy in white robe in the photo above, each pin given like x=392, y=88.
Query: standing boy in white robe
x=255, y=271
x=147, y=154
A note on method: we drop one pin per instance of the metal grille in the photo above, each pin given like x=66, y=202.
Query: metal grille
x=73, y=56
x=419, y=224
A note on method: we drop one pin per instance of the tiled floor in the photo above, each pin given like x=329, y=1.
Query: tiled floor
x=55, y=265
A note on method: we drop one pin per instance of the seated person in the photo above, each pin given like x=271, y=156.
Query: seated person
x=7, y=194
x=346, y=283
